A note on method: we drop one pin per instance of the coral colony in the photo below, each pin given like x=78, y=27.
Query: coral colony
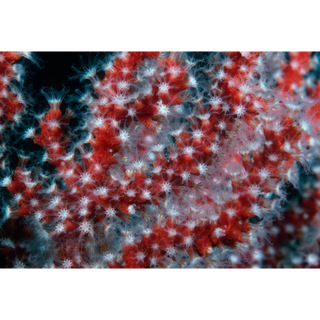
x=178, y=160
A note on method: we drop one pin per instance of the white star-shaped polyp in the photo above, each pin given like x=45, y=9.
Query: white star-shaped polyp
x=69, y=173
x=149, y=72
x=130, y=193
x=257, y=105
x=163, y=109
x=191, y=224
x=227, y=63
x=170, y=172
x=83, y=211
x=244, y=67
x=6, y=181
x=188, y=241
x=166, y=187
x=102, y=191
x=312, y=259
x=240, y=110
x=230, y=212
x=7, y=212
x=59, y=228
x=138, y=164
x=254, y=190
x=163, y=88
x=34, y=202
x=218, y=232
x=171, y=251
x=273, y=157
x=173, y=212
x=214, y=147
x=231, y=83
x=157, y=148
x=172, y=232
x=63, y=214
x=29, y=133
x=157, y=169
x=132, y=112
x=119, y=99
x=146, y=194
x=234, y=259
x=140, y=256
x=197, y=134
x=85, y=227
x=192, y=82
x=84, y=201
x=124, y=182
x=98, y=122
x=38, y=215
x=114, y=123
x=205, y=117
x=17, y=197
x=109, y=257
x=220, y=74
x=110, y=212
x=147, y=231
x=188, y=151
x=289, y=228
x=19, y=264
x=125, y=71
x=66, y=264
x=122, y=85
x=155, y=246
x=222, y=125
x=55, y=146
x=54, y=201
x=53, y=124
x=305, y=125
x=129, y=239
x=124, y=136
x=174, y=71
x=85, y=178
x=185, y=176
x=153, y=261
x=215, y=102
x=264, y=173
x=203, y=168
x=97, y=167
x=245, y=88
x=5, y=80
x=294, y=64
x=103, y=101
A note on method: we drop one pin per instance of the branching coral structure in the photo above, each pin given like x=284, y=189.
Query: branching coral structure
x=176, y=161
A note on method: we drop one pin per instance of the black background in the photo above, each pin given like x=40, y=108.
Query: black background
x=56, y=68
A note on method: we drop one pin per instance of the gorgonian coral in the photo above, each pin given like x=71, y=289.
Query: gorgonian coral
x=173, y=160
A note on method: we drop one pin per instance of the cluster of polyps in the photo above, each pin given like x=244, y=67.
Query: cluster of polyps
x=11, y=103
x=293, y=240
x=176, y=160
